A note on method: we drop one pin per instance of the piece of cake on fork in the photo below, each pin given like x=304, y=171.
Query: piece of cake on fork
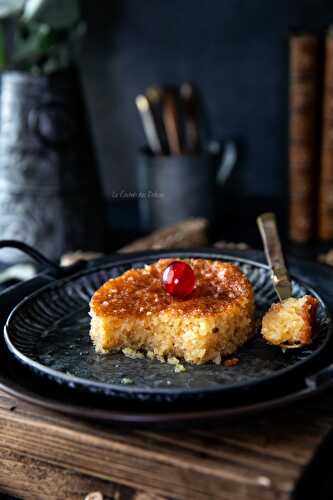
x=134, y=311
x=290, y=323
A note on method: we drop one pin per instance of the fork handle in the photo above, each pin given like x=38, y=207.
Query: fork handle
x=272, y=246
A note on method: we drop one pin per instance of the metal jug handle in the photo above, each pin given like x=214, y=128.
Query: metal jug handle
x=228, y=161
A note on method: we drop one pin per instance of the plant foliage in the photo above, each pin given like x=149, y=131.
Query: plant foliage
x=38, y=36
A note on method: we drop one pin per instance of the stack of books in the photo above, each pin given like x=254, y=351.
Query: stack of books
x=311, y=138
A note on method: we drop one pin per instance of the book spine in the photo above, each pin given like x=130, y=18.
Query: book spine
x=326, y=172
x=303, y=106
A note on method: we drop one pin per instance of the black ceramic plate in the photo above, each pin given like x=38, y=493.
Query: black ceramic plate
x=48, y=332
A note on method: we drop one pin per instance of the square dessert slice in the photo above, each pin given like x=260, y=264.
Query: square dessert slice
x=290, y=322
x=133, y=311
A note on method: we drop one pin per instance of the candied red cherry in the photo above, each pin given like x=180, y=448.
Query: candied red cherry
x=178, y=279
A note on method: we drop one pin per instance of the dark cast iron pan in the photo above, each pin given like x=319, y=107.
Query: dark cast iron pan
x=47, y=333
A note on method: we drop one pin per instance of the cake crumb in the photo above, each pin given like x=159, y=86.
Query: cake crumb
x=180, y=368
x=94, y=495
x=132, y=353
x=231, y=362
x=217, y=359
x=173, y=360
x=127, y=381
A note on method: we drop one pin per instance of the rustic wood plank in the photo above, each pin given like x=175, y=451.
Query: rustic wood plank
x=189, y=233
x=25, y=477
x=257, y=459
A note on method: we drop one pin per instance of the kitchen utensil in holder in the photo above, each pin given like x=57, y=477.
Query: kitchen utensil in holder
x=176, y=187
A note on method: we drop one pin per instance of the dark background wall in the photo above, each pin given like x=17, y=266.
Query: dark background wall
x=237, y=53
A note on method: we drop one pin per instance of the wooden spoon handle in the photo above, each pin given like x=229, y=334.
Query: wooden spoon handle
x=170, y=118
x=191, y=121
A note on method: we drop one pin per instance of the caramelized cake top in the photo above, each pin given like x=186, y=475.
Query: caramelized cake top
x=140, y=292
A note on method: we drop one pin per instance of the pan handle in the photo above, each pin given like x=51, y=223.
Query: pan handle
x=30, y=251
x=41, y=259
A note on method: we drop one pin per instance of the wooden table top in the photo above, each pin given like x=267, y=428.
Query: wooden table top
x=44, y=454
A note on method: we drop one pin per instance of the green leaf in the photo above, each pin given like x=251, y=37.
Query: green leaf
x=58, y=14
x=41, y=50
x=10, y=7
x=2, y=48
x=32, y=46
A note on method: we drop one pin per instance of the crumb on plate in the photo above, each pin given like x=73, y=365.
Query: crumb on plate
x=231, y=362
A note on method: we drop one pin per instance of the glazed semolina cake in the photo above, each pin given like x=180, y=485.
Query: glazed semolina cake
x=133, y=311
x=290, y=322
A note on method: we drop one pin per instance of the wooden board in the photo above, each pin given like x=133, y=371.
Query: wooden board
x=44, y=454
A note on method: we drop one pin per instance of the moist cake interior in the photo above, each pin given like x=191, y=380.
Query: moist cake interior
x=133, y=311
